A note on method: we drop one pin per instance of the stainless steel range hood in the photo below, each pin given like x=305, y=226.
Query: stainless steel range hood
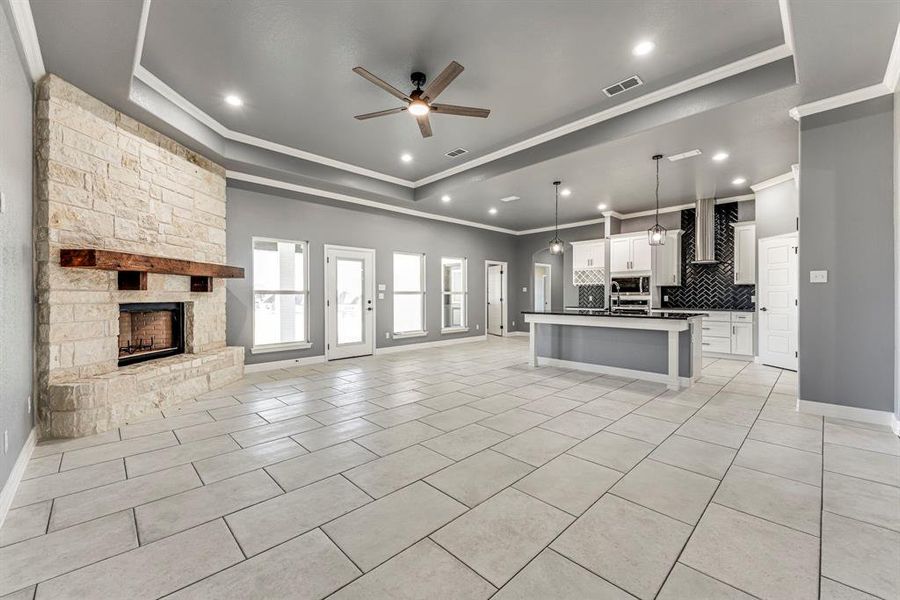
x=704, y=230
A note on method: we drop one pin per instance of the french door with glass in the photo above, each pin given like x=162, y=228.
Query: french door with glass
x=349, y=302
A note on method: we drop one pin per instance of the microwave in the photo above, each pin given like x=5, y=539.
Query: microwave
x=632, y=285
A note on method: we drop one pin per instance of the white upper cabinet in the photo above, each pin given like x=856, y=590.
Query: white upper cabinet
x=590, y=254
x=744, y=253
x=667, y=261
x=588, y=262
x=630, y=254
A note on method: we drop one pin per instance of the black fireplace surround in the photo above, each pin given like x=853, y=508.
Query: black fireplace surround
x=138, y=347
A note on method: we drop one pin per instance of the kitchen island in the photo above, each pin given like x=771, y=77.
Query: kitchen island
x=661, y=347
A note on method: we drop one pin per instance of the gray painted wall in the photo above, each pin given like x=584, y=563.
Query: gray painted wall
x=777, y=209
x=17, y=325
x=846, y=208
x=311, y=219
x=897, y=255
x=527, y=246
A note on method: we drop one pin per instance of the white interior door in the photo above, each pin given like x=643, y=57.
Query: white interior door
x=495, y=299
x=542, y=287
x=778, y=283
x=349, y=302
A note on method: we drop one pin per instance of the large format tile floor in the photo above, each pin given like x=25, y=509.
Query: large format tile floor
x=458, y=472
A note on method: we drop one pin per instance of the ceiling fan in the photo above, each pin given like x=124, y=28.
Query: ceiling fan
x=420, y=102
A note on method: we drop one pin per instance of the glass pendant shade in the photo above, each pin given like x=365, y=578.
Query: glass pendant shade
x=557, y=246
x=656, y=235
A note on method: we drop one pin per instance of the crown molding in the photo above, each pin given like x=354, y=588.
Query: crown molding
x=886, y=86
x=293, y=187
x=723, y=72
x=561, y=226
x=892, y=72
x=23, y=23
x=789, y=176
x=861, y=95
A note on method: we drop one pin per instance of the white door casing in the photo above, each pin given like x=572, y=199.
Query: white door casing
x=542, y=286
x=778, y=305
x=495, y=273
x=349, y=302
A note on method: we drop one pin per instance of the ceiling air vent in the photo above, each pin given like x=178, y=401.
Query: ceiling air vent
x=625, y=84
x=457, y=152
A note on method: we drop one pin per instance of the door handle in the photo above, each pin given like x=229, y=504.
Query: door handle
x=368, y=308
x=763, y=309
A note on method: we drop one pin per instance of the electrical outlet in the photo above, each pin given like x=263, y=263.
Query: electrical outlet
x=2, y=202
x=387, y=335
x=5, y=441
x=477, y=326
x=28, y=404
x=514, y=323
x=590, y=298
x=381, y=295
x=665, y=298
x=524, y=289
x=818, y=276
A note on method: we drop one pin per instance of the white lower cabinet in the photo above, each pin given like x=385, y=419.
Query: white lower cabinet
x=728, y=333
x=742, y=338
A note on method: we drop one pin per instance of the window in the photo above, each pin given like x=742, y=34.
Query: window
x=409, y=294
x=279, y=295
x=453, y=294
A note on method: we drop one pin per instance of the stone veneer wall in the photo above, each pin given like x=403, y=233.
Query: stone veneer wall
x=107, y=181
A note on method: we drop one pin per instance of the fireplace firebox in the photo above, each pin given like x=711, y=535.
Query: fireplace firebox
x=148, y=331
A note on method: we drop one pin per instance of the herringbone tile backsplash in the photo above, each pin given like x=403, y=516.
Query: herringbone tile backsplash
x=590, y=296
x=709, y=286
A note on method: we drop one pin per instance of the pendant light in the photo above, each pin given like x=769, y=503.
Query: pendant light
x=657, y=234
x=557, y=246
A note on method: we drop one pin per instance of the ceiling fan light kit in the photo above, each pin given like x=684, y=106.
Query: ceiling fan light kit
x=420, y=103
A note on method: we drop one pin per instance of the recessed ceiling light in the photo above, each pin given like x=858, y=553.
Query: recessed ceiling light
x=565, y=192
x=406, y=157
x=445, y=198
x=738, y=181
x=720, y=156
x=234, y=100
x=601, y=207
x=493, y=211
x=643, y=48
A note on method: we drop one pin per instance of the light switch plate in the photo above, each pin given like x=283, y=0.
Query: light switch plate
x=524, y=289
x=2, y=202
x=381, y=287
x=818, y=276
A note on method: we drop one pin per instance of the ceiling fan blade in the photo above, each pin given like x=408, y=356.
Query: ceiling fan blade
x=445, y=78
x=382, y=84
x=462, y=111
x=380, y=113
x=424, y=125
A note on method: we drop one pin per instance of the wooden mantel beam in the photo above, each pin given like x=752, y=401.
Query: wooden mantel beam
x=109, y=260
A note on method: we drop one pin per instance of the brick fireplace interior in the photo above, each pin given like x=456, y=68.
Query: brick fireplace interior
x=148, y=331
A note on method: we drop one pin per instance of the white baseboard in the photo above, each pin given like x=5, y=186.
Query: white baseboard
x=15, y=476
x=851, y=413
x=895, y=425
x=437, y=344
x=518, y=334
x=606, y=370
x=284, y=364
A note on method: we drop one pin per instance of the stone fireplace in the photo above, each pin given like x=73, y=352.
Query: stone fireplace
x=150, y=330
x=105, y=356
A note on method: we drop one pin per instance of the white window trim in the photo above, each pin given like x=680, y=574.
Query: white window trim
x=283, y=346
x=465, y=293
x=397, y=335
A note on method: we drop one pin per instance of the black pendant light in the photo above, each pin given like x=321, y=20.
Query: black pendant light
x=657, y=234
x=557, y=246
